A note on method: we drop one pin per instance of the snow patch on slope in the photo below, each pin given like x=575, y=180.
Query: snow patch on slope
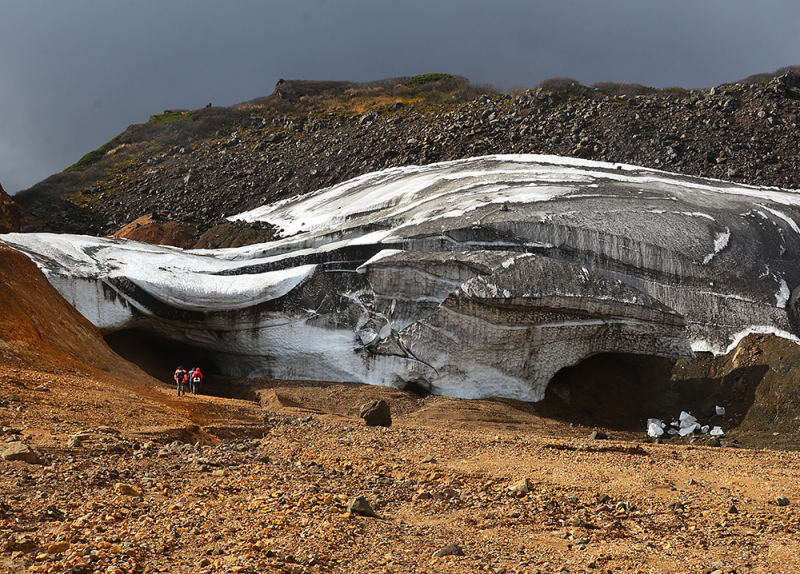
x=720, y=243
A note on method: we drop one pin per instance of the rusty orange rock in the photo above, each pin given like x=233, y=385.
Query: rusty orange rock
x=9, y=213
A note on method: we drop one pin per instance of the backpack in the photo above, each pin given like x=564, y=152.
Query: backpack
x=196, y=379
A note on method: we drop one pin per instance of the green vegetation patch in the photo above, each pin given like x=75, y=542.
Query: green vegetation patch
x=96, y=155
x=426, y=79
x=88, y=159
x=170, y=117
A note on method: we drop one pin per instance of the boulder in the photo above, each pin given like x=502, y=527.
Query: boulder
x=23, y=452
x=376, y=414
x=360, y=505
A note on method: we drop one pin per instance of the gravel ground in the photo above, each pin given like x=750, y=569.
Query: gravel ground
x=141, y=481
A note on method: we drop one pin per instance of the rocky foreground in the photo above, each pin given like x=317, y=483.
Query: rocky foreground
x=287, y=486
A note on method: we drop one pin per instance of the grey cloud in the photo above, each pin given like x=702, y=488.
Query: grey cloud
x=73, y=75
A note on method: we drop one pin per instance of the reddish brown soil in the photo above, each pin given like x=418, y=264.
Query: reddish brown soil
x=147, y=230
x=9, y=213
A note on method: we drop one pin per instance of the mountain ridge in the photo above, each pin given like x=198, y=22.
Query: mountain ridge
x=193, y=169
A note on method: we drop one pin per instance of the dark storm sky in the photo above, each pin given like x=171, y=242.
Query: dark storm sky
x=75, y=74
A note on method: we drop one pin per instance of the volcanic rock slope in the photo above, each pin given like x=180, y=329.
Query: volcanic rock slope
x=193, y=168
x=9, y=213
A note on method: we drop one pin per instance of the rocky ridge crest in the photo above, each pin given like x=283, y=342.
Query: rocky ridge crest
x=196, y=168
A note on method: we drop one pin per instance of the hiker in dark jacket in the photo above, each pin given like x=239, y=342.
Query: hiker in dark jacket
x=180, y=380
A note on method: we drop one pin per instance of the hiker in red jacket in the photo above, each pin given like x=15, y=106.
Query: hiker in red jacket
x=195, y=378
x=180, y=380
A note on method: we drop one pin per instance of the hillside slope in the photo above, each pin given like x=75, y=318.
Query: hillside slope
x=55, y=365
x=188, y=170
x=40, y=327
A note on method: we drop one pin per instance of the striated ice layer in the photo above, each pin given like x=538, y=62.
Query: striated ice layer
x=474, y=278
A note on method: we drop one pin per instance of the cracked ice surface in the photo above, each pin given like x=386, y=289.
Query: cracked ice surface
x=479, y=277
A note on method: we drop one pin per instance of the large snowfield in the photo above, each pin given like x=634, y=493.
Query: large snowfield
x=478, y=277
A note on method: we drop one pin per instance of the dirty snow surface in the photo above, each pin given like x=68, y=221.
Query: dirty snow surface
x=473, y=278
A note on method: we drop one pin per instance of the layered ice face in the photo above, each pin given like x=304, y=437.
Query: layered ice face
x=479, y=277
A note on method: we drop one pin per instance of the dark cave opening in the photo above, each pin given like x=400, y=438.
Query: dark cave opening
x=158, y=356
x=620, y=391
x=613, y=390
x=617, y=391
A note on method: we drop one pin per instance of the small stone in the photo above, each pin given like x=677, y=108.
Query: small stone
x=218, y=472
x=733, y=510
x=781, y=501
x=367, y=119
x=359, y=505
x=597, y=435
x=126, y=490
x=58, y=547
x=580, y=523
x=524, y=486
x=446, y=493
x=676, y=506
x=428, y=459
x=452, y=549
